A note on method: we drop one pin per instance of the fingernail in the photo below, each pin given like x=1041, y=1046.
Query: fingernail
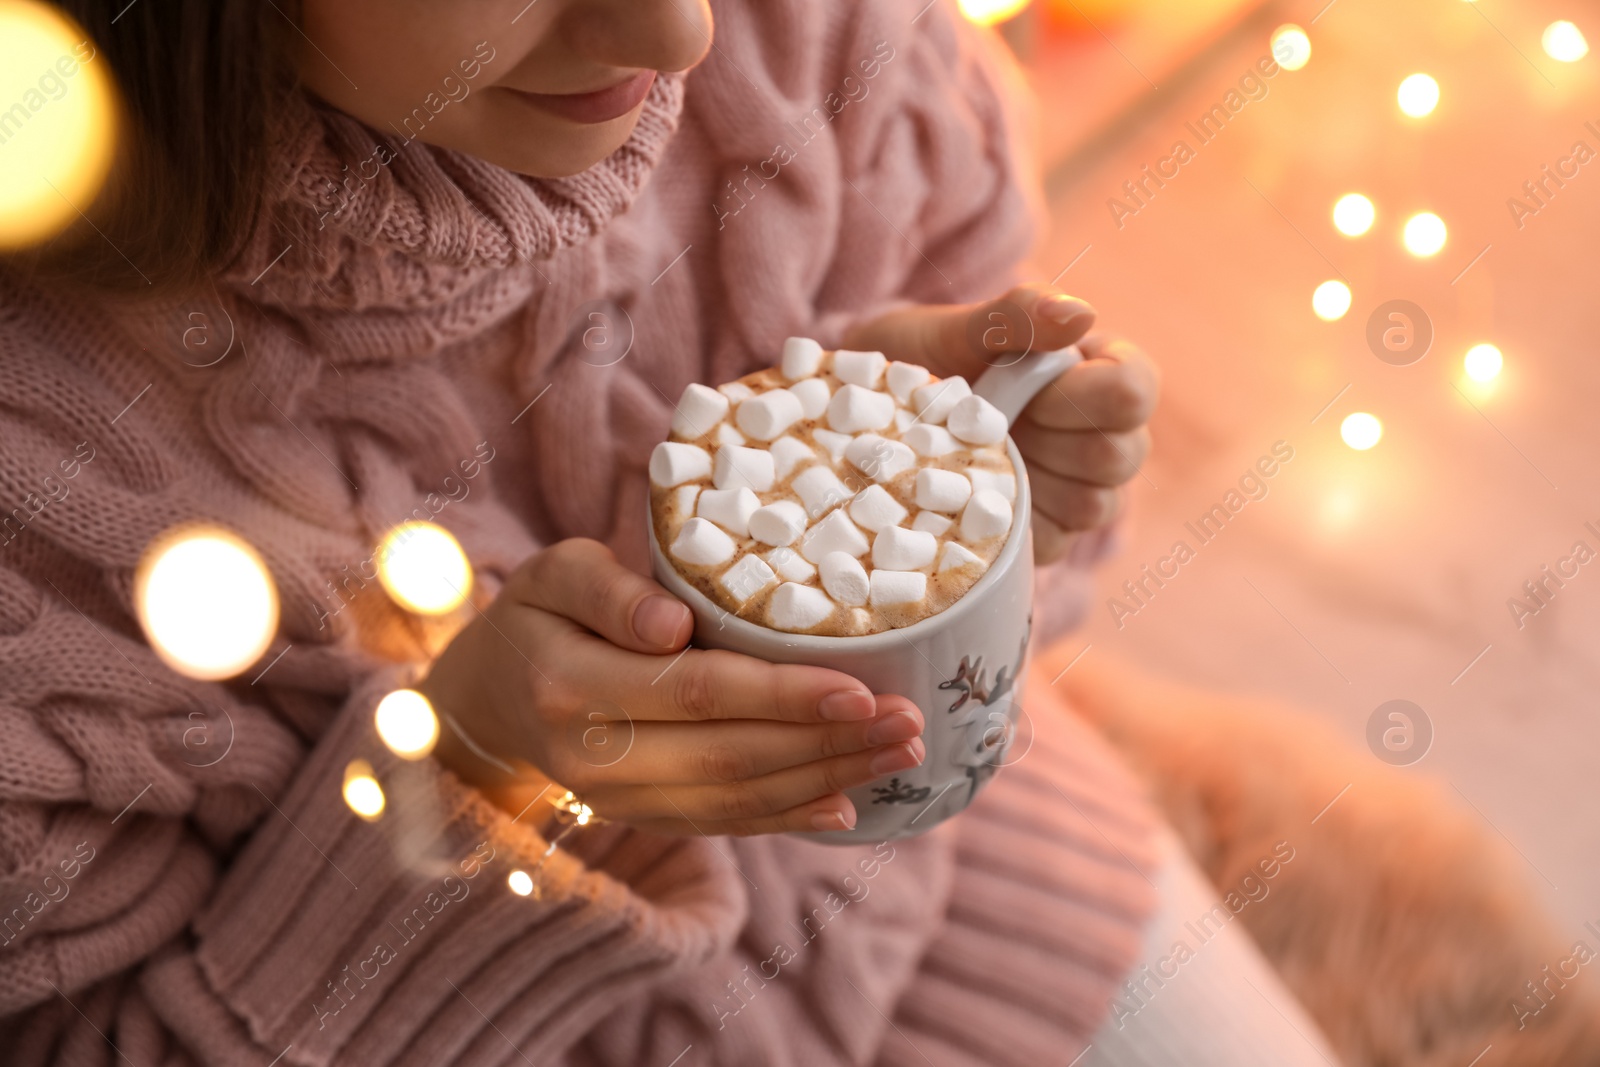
x=833, y=820
x=901, y=726
x=1062, y=308
x=847, y=705
x=899, y=758
x=658, y=620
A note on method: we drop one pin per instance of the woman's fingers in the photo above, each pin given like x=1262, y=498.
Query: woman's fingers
x=581, y=580
x=1071, y=504
x=1106, y=459
x=692, y=753
x=755, y=798
x=825, y=813
x=703, y=685
x=1114, y=389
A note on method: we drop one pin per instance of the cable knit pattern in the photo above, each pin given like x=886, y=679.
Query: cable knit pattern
x=180, y=883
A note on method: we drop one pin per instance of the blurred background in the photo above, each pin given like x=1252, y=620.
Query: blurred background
x=1386, y=561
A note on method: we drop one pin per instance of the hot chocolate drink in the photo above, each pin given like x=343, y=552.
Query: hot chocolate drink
x=836, y=494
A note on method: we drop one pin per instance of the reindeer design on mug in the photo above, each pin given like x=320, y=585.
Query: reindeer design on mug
x=988, y=728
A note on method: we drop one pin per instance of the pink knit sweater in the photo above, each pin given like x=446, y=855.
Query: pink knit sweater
x=180, y=882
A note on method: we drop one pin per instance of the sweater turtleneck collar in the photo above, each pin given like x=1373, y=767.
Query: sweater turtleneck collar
x=353, y=223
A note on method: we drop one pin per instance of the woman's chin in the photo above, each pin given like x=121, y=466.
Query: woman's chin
x=557, y=149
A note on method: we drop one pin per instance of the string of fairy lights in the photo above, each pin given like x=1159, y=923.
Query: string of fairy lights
x=205, y=598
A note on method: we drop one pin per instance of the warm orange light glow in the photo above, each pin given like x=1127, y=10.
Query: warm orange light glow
x=520, y=882
x=362, y=793
x=1353, y=215
x=57, y=122
x=407, y=724
x=1331, y=300
x=424, y=569
x=1361, y=431
x=1564, y=42
x=1425, y=234
x=1418, y=95
x=1291, y=47
x=1483, y=363
x=991, y=12
x=206, y=602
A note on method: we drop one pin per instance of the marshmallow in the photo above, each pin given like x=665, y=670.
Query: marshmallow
x=873, y=509
x=859, y=368
x=729, y=508
x=1003, y=483
x=845, y=579
x=898, y=587
x=820, y=490
x=899, y=549
x=727, y=435
x=903, y=420
x=854, y=409
x=977, y=422
x=929, y=441
x=788, y=453
x=768, y=415
x=778, y=524
x=683, y=501
x=932, y=522
x=736, y=391
x=699, y=410
x=942, y=490
x=836, y=533
x=879, y=458
x=700, y=542
x=746, y=578
x=813, y=394
x=798, y=607
x=955, y=555
x=673, y=463
x=904, y=377
x=987, y=514
x=933, y=401
x=750, y=468
x=802, y=358
x=791, y=565
x=835, y=443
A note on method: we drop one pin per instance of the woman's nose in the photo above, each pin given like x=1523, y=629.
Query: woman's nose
x=666, y=35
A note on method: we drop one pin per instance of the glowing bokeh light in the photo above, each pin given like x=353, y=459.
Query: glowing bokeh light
x=1331, y=300
x=1418, y=96
x=407, y=724
x=1291, y=47
x=1564, y=42
x=362, y=793
x=206, y=602
x=520, y=882
x=1425, y=234
x=1361, y=431
x=1353, y=215
x=991, y=12
x=1483, y=363
x=424, y=569
x=57, y=122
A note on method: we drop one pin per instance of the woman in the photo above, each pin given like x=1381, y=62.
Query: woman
x=351, y=271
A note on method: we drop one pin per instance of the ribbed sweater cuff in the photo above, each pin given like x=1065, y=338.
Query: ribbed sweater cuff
x=399, y=941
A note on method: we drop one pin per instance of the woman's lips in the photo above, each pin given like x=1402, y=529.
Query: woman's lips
x=602, y=105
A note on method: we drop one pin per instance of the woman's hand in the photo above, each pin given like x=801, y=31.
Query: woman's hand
x=577, y=673
x=1083, y=436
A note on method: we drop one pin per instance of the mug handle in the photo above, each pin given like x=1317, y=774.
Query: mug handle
x=1012, y=386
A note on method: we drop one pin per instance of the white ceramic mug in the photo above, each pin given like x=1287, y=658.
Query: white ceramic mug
x=961, y=666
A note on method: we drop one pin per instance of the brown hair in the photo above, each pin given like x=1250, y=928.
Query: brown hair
x=199, y=82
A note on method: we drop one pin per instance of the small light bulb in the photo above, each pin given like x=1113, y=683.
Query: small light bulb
x=56, y=159
x=519, y=881
x=361, y=790
x=1291, y=47
x=1419, y=95
x=992, y=12
x=424, y=569
x=1564, y=42
x=1331, y=300
x=1353, y=215
x=1424, y=234
x=206, y=602
x=1483, y=363
x=1361, y=431
x=407, y=724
